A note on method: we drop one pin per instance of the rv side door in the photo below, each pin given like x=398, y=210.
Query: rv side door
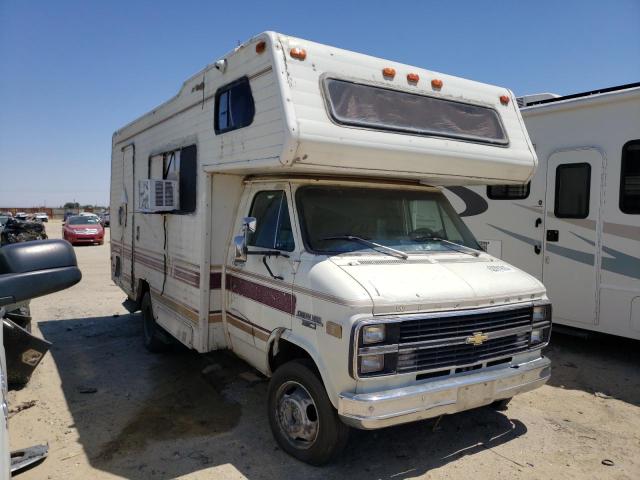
x=571, y=267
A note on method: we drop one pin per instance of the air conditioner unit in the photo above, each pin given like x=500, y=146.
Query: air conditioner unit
x=158, y=195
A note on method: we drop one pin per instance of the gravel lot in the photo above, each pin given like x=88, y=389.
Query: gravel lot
x=109, y=409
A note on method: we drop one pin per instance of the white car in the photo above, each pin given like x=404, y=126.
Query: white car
x=21, y=216
x=41, y=216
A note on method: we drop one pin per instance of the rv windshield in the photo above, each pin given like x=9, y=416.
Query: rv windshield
x=334, y=219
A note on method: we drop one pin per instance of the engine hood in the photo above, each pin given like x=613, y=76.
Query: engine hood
x=447, y=281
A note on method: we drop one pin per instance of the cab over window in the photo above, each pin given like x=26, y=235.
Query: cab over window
x=273, y=229
x=234, y=106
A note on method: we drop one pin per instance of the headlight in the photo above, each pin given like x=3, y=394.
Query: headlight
x=373, y=334
x=536, y=335
x=371, y=363
x=542, y=313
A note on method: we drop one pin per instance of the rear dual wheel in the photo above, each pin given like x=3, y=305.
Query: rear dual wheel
x=156, y=340
x=301, y=416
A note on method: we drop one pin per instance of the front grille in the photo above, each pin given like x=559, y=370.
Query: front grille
x=461, y=354
x=441, y=342
x=464, y=325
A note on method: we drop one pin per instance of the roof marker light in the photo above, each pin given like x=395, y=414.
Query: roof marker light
x=504, y=99
x=389, y=72
x=299, y=53
x=436, y=84
x=413, y=78
x=261, y=47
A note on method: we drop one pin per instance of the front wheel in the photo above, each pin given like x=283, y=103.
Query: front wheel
x=301, y=416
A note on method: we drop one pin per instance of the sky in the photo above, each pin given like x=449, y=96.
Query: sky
x=72, y=72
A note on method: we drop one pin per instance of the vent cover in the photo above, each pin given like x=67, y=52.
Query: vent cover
x=157, y=195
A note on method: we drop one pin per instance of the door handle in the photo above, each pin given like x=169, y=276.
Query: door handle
x=553, y=235
x=537, y=249
x=538, y=222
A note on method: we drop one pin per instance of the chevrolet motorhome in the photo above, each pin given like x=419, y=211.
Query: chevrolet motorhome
x=576, y=224
x=283, y=205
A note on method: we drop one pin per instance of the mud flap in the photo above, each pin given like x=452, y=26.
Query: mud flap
x=23, y=352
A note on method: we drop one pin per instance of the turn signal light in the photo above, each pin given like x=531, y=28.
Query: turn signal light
x=261, y=47
x=436, y=84
x=299, y=53
x=413, y=77
x=389, y=72
x=504, y=99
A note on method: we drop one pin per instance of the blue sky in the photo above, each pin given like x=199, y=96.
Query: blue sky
x=72, y=72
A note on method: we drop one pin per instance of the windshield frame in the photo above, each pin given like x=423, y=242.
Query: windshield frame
x=445, y=204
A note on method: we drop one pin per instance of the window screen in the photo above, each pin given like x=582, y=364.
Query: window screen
x=234, y=106
x=385, y=109
x=273, y=226
x=573, y=182
x=508, y=192
x=630, y=178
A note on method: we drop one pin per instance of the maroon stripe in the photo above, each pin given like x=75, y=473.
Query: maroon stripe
x=215, y=280
x=283, y=301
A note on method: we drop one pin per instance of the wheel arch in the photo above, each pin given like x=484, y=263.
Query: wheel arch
x=285, y=346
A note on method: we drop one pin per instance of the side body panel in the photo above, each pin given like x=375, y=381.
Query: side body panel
x=607, y=243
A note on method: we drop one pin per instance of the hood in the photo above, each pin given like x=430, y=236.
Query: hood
x=447, y=281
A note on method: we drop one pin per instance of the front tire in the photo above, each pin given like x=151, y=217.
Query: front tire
x=302, y=418
x=155, y=338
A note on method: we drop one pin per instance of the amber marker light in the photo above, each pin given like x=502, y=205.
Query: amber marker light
x=261, y=47
x=504, y=99
x=413, y=78
x=436, y=84
x=389, y=72
x=299, y=53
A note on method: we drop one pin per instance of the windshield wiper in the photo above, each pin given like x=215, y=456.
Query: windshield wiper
x=461, y=249
x=388, y=250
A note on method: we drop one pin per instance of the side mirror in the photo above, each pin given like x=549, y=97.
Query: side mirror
x=240, y=241
x=33, y=269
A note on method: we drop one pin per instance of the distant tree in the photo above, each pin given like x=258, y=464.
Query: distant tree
x=71, y=205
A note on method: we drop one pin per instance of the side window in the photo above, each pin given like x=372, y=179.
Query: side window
x=273, y=229
x=630, y=178
x=181, y=166
x=573, y=182
x=508, y=192
x=234, y=107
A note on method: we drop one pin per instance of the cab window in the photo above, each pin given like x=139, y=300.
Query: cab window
x=273, y=225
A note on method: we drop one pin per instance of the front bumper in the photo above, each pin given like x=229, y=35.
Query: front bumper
x=439, y=397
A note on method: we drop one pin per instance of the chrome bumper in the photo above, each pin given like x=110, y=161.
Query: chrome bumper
x=439, y=397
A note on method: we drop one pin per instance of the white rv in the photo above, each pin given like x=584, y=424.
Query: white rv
x=284, y=205
x=576, y=224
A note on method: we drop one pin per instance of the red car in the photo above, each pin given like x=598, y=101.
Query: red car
x=79, y=229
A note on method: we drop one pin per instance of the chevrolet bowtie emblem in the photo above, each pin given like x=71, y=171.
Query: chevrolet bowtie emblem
x=478, y=338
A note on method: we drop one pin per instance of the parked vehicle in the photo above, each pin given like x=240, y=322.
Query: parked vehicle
x=105, y=219
x=21, y=216
x=27, y=270
x=15, y=231
x=303, y=229
x=83, y=229
x=41, y=216
x=576, y=224
x=3, y=221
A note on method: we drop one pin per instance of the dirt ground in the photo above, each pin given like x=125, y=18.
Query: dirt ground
x=109, y=409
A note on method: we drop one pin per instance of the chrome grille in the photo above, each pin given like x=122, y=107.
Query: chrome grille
x=465, y=325
x=442, y=342
x=461, y=354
